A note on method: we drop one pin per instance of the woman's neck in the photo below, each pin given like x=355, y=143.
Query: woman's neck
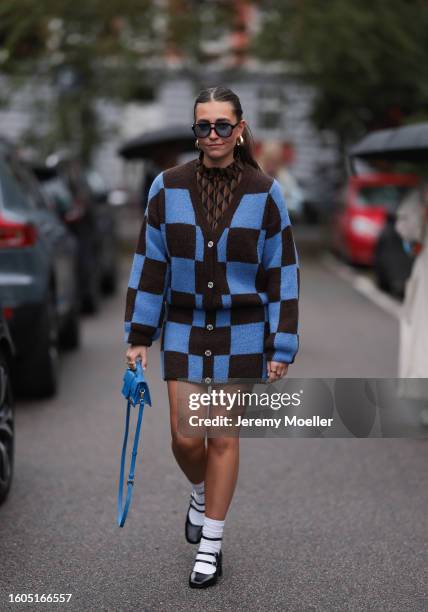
x=217, y=163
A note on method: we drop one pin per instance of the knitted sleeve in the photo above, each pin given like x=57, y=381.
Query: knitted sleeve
x=281, y=263
x=150, y=274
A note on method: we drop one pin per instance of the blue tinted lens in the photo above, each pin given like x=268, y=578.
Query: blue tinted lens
x=223, y=129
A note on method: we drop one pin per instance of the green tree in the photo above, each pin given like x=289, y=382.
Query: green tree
x=95, y=50
x=367, y=60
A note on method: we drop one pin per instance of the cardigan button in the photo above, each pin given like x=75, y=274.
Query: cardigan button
x=211, y=243
x=210, y=284
x=208, y=379
x=210, y=326
x=208, y=352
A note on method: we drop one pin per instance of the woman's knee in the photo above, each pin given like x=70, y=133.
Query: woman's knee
x=222, y=444
x=188, y=445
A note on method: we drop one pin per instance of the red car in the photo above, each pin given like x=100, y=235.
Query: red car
x=362, y=210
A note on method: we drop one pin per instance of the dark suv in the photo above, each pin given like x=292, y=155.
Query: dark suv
x=38, y=277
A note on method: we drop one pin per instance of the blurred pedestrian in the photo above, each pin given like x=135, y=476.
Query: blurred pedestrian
x=216, y=244
x=271, y=159
x=412, y=226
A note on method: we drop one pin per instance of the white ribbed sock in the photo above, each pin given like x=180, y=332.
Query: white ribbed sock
x=197, y=514
x=212, y=528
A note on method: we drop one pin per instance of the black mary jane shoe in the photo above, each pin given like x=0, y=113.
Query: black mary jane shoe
x=193, y=532
x=198, y=580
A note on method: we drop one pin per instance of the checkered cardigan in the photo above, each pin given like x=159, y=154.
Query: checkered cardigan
x=254, y=261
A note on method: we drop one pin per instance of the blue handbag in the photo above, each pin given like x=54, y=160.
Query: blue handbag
x=136, y=391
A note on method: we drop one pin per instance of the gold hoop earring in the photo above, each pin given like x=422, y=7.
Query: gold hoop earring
x=197, y=144
x=240, y=141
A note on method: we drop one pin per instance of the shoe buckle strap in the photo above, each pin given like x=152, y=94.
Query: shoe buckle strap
x=206, y=561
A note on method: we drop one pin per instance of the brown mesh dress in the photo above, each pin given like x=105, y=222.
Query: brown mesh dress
x=216, y=187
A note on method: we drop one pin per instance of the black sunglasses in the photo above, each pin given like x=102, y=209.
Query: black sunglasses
x=222, y=128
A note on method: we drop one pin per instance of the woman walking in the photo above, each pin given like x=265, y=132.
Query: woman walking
x=216, y=271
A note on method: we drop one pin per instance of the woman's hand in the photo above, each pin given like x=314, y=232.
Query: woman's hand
x=276, y=370
x=135, y=352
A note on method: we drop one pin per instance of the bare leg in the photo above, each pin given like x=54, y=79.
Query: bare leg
x=189, y=452
x=218, y=463
x=221, y=475
x=223, y=459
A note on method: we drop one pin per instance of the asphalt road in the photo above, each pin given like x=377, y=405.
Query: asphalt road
x=315, y=524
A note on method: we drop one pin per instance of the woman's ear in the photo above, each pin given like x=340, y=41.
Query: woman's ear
x=242, y=126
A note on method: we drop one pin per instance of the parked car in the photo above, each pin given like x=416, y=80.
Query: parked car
x=7, y=423
x=38, y=277
x=361, y=213
x=84, y=203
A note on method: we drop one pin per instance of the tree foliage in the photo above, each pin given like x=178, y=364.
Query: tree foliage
x=96, y=49
x=367, y=60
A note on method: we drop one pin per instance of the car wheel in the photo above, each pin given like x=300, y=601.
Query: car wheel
x=6, y=429
x=41, y=373
x=70, y=334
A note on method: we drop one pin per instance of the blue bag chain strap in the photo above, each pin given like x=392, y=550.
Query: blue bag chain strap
x=133, y=380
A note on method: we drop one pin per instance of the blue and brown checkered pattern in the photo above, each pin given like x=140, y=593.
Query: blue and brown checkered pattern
x=225, y=299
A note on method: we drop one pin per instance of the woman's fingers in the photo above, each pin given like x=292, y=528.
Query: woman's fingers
x=143, y=355
x=276, y=370
x=135, y=353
